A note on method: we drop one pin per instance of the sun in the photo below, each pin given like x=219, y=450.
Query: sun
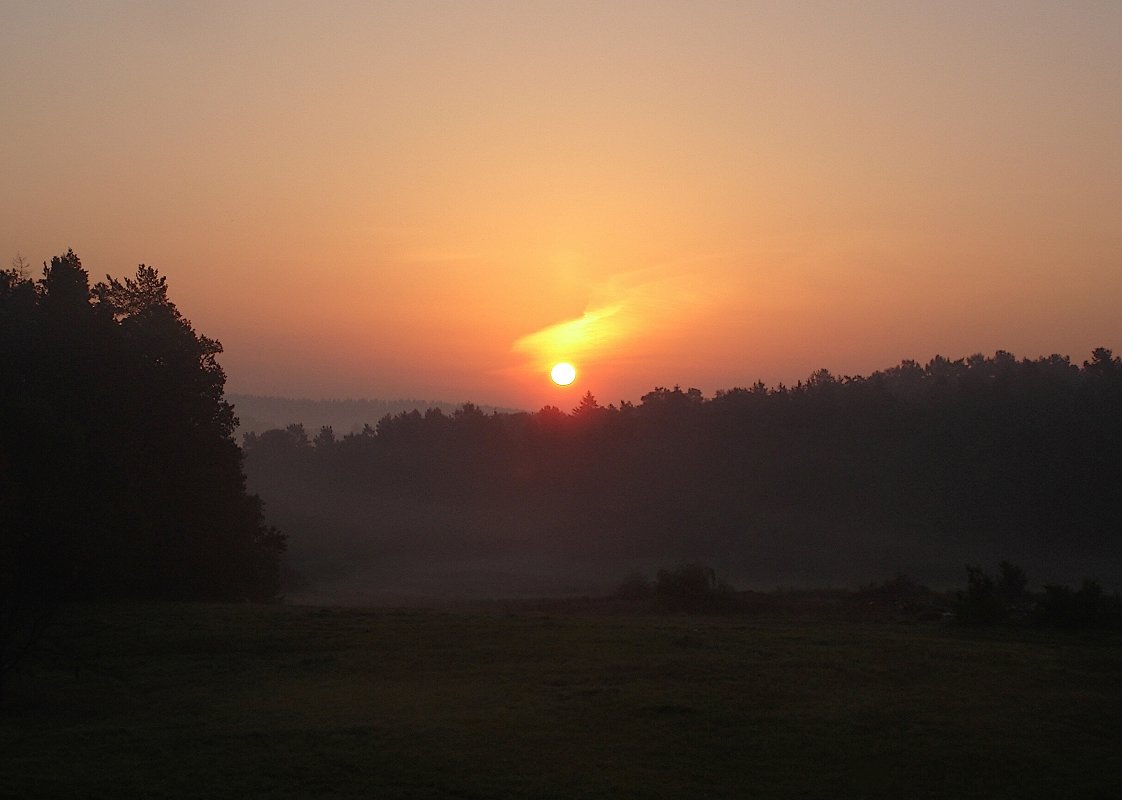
x=563, y=374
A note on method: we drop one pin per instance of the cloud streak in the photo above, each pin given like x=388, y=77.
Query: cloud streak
x=629, y=307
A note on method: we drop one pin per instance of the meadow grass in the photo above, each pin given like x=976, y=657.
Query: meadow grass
x=235, y=701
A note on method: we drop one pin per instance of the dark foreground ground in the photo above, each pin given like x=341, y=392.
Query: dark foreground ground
x=224, y=701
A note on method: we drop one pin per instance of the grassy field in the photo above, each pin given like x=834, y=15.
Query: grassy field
x=235, y=701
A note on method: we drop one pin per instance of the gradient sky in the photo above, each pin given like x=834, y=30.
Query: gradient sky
x=436, y=200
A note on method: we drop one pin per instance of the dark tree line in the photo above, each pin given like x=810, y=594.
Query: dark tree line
x=119, y=474
x=1007, y=599
x=844, y=478
x=257, y=413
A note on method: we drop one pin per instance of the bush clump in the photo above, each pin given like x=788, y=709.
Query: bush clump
x=979, y=604
x=693, y=588
x=1085, y=608
x=989, y=602
x=906, y=599
x=635, y=586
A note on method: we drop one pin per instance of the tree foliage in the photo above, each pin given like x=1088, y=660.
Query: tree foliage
x=693, y=588
x=1008, y=599
x=839, y=477
x=120, y=476
x=979, y=604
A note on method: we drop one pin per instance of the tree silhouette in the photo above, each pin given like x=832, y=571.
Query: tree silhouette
x=588, y=407
x=129, y=482
x=967, y=456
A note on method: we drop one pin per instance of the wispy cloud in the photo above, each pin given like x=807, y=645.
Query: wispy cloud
x=623, y=310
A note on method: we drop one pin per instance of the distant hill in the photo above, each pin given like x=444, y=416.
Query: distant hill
x=257, y=413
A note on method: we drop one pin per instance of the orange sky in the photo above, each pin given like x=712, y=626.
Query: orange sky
x=433, y=200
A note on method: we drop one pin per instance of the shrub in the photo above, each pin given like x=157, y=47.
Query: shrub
x=635, y=586
x=900, y=589
x=1086, y=608
x=907, y=599
x=1012, y=584
x=693, y=588
x=979, y=604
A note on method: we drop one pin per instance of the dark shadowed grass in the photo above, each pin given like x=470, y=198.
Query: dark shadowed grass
x=277, y=701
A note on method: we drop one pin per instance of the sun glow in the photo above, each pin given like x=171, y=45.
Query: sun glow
x=563, y=374
x=624, y=327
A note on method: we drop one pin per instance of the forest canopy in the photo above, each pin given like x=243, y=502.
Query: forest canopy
x=119, y=474
x=918, y=468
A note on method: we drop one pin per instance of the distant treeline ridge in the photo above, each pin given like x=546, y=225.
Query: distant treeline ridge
x=919, y=468
x=259, y=413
